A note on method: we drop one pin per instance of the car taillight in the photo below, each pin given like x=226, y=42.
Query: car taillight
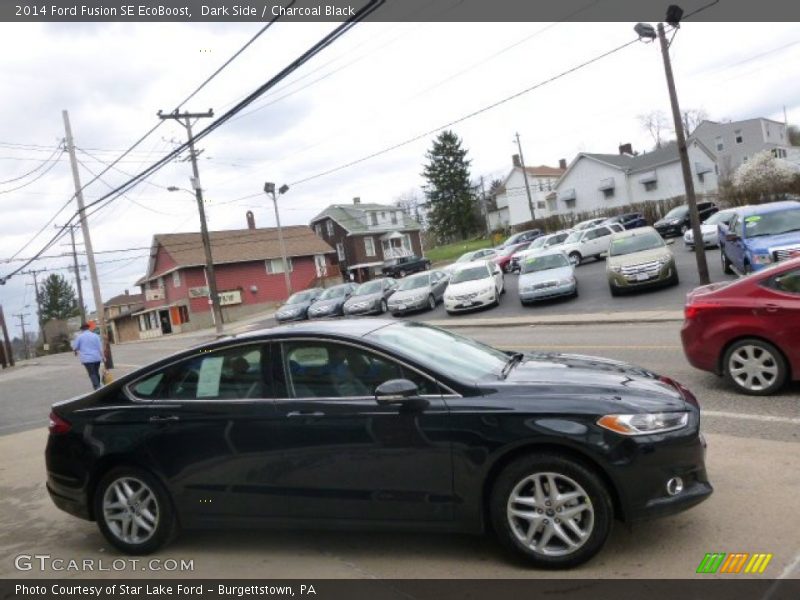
x=691, y=311
x=58, y=425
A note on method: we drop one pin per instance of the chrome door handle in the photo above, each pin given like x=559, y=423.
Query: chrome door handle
x=164, y=419
x=300, y=413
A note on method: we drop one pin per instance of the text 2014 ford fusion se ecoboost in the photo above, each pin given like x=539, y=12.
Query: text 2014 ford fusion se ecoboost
x=379, y=423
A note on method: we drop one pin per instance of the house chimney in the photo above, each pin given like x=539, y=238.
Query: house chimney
x=251, y=220
x=562, y=163
x=515, y=160
x=126, y=293
x=356, y=200
x=626, y=149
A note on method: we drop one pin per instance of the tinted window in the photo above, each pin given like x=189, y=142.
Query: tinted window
x=330, y=370
x=543, y=263
x=788, y=282
x=233, y=373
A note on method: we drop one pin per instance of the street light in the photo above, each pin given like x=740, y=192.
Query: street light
x=269, y=188
x=645, y=31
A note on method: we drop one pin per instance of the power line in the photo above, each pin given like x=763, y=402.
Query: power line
x=32, y=171
x=35, y=179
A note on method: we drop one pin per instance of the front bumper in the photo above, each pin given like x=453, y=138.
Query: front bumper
x=289, y=318
x=709, y=240
x=668, y=230
x=556, y=291
x=403, y=307
x=324, y=315
x=665, y=275
x=459, y=304
x=369, y=309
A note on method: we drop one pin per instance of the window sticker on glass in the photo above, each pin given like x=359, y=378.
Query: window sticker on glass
x=210, y=372
x=751, y=220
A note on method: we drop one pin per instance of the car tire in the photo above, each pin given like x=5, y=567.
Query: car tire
x=384, y=306
x=726, y=264
x=615, y=291
x=496, y=301
x=684, y=229
x=575, y=294
x=431, y=302
x=746, y=268
x=575, y=258
x=149, y=505
x=765, y=355
x=518, y=524
x=402, y=273
x=675, y=280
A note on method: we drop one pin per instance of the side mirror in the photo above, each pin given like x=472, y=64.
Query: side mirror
x=396, y=391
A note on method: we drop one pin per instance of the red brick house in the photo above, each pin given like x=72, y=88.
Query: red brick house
x=365, y=235
x=249, y=273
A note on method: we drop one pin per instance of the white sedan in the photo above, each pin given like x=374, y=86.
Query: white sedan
x=709, y=229
x=473, y=285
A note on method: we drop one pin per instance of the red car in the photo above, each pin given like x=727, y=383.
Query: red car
x=747, y=330
x=503, y=258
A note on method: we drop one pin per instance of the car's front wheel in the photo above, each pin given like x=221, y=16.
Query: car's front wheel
x=432, y=302
x=384, y=306
x=575, y=258
x=551, y=510
x=755, y=367
x=133, y=511
x=726, y=264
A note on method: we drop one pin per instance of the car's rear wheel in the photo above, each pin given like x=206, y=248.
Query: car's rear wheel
x=726, y=264
x=133, y=511
x=755, y=367
x=551, y=510
x=575, y=258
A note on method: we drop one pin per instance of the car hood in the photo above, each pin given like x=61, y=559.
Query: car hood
x=293, y=307
x=364, y=298
x=546, y=275
x=637, y=258
x=667, y=221
x=407, y=294
x=767, y=242
x=624, y=387
x=467, y=287
x=329, y=303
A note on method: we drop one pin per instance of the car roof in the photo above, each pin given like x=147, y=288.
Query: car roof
x=760, y=209
x=474, y=263
x=617, y=235
x=551, y=252
x=347, y=327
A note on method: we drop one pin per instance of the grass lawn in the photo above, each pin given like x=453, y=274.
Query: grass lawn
x=450, y=252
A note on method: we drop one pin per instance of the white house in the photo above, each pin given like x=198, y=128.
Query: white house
x=601, y=181
x=734, y=143
x=513, y=207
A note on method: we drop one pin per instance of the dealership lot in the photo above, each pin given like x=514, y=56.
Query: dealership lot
x=753, y=445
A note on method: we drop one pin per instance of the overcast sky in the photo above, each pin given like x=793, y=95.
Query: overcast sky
x=380, y=85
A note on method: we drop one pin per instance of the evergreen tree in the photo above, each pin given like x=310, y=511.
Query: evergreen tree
x=451, y=199
x=57, y=298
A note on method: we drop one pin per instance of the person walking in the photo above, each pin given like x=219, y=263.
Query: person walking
x=88, y=346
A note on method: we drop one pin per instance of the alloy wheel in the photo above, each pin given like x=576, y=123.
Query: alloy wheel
x=383, y=306
x=130, y=510
x=431, y=302
x=575, y=259
x=753, y=368
x=550, y=514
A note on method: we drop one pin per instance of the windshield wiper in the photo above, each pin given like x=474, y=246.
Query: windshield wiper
x=515, y=359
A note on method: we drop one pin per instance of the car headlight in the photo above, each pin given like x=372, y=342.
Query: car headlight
x=644, y=424
x=761, y=259
x=615, y=268
x=674, y=221
x=566, y=281
x=486, y=290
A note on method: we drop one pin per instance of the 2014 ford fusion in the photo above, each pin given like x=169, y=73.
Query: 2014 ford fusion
x=379, y=423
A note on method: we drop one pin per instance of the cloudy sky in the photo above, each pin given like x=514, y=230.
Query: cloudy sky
x=378, y=86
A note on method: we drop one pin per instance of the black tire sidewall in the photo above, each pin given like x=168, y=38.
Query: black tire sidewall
x=431, y=302
x=780, y=380
x=167, y=522
x=583, y=475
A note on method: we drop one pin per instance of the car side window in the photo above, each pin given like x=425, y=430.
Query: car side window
x=602, y=232
x=787, y=282
x=234, y=373
x=734, y=225
x=331, y=370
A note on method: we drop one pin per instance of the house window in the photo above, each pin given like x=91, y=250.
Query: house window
x=176, y=279
x=744, y=158
x=609, y=193
x=570, y=203
x=394, y=218
x=540, y=204
x=720, y=144
x=275, y=265
x=373, y=218
x=738, y=135
x=779, y=153
x=340, y=250
x=383, y=214
x=318, y=229
x=369, y=246
x=650, y=186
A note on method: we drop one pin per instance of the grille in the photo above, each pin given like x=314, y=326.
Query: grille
x=466, y=296
x=651, y=269
x=786, y=253
x=545, y=284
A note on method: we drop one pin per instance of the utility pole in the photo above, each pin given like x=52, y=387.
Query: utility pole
x=24, y=335
x=76, y=268
x=6, y=342
x=525, y=176
x=216, y=311
x=87, y=241
x=38, y=300
x=691, y=200
x=269, y=188
x=485, y=210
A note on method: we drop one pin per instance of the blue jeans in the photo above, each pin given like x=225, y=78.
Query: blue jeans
x=93, y=368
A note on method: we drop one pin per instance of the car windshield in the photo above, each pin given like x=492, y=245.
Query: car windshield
x=774, y=223
x=635, y=243
x=718, y=217
x=458, y=357
x=573, y=237
x=677, y=212
x=538, y=242
x=334, y=292
x=301, y=297
x=543, y=263
x=414, y=283
x=470, y=274
x=371, y=287
x=465, y=257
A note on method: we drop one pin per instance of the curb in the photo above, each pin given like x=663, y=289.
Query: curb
x=569, y=320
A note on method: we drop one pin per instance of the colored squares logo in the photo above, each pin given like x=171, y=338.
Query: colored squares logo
x=734, y=563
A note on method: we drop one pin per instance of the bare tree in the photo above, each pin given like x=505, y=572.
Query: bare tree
x=412, y=204
x=655, y=123
x=692, y=117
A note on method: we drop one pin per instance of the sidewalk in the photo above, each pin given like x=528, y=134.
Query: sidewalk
x=643, y=316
